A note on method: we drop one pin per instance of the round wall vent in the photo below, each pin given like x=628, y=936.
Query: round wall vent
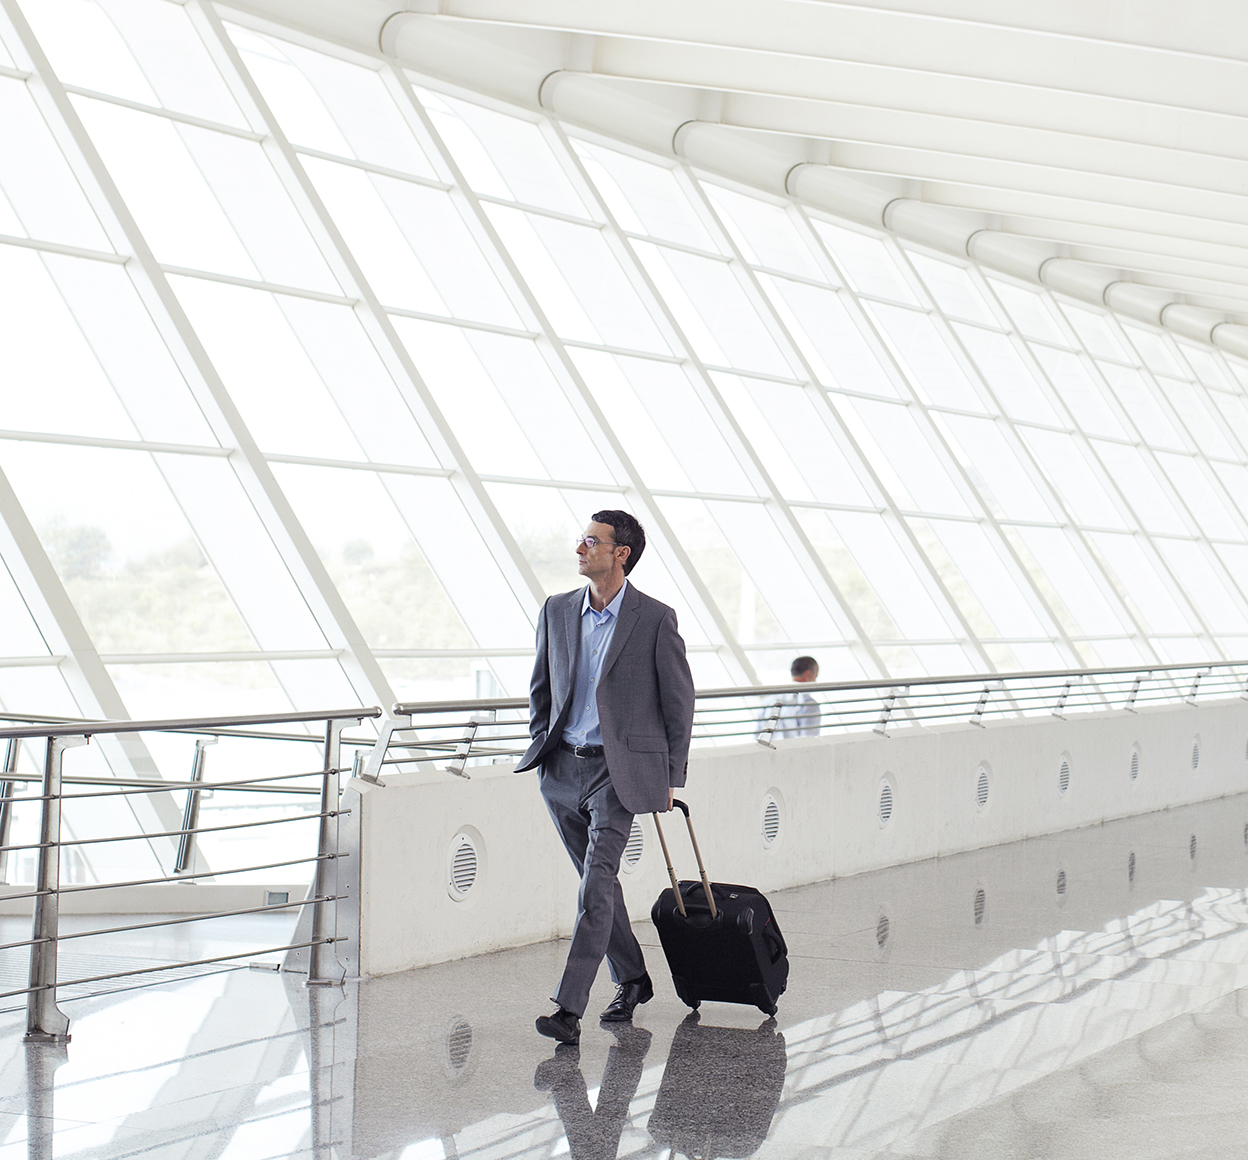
x=886, y=801
x=1135, y=764
x=463, y=866
x=1191, y=848
x=980, y=905
x=635, y=847
x=1061, y=884
x=459, y=1045
x=981, y=788
x=881, y=931
x=1196, y=754
x=1131, y=867
x=771, y=822
x=1063, y=776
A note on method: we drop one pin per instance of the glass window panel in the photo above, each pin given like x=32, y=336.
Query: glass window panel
x=1235, y=411
x=1135, y=574
x=891, y=439
x=1095, y=333
x=53, y=381
x=1063, y=578
x=789, y=428
x=490, y=597
x=1184, y=651
x=981, y=579
x=712, y=291
x=330, y=104
x=1235, y=479
x=37, y=690
x=644, y=198
x=1141, y=405
x=1153, y=349
x=867, y=263
x=757, y=582
x=953, y=289
x=667, y=394
x=352, y=370
x=1235, y=559
x=122, y=547
x=1198, y=494
x=1011, y=380
x=10, y=223
x=927, y=358
x=1206, y=366
x=143, y=50
x=638, y=429
x=36, y=179
x=1143, y=491
x=946, y=660
x=19, y=635
x=1193, y=410
x=1220, y=610
x=850, y=580
x=414, y=248
x=994, y=468
x=892, y=576
x=1072, y=476
x=828, y=338
x=765, y=233
x=502, y=155
x=578, y=281
x=393, y=594
x=153, y=692
x=266, y=369
x=204, y=199
x=1241, y=371
x=1030, y=312
x=1082, y=396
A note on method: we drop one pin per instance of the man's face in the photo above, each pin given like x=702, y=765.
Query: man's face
x=600, y=560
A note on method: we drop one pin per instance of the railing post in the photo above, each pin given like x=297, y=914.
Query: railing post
x=1135, y=692
x=1191, y=696
x=881, y=726
x=1061, y=701
x=769, y=726
x=323, y=967
x=978, y=716
x=464, y=747
x=190, y=812
x=6, y=805
x=45, y=1021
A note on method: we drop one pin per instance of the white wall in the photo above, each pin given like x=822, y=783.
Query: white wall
x=828, y=790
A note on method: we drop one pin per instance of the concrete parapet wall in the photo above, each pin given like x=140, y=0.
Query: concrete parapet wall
x=828, y=793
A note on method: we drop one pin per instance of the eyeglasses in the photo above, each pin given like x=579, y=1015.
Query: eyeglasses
x=593, y=541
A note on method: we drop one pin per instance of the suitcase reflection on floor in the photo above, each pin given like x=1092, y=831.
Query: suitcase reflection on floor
x=719, y=1093
x=720, y=1089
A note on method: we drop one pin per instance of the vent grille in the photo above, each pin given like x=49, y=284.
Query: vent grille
x=981, y=789
x=981, y=904
x=1131, y=867
x=636, y=846
x=463, y=875
x=771, y=822
x=1063, y=777
x=1191, y=848
x=1061, y=884
x=1195, y=755
x=881, y=931
x=1135, y=764
x=459, y=1045
x=886, y=802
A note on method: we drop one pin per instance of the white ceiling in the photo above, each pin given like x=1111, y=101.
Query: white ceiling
x=1100, y=146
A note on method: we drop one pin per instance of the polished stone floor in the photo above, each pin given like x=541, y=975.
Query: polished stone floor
x=1083, y=995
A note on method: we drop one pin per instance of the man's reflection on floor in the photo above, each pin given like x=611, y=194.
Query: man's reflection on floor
x=719, y=1092
x=594, y=1134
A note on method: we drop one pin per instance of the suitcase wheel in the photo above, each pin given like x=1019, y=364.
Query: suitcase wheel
x=685, y=995
x=761, y=998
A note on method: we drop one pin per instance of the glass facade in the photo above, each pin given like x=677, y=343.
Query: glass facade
x=311, y=370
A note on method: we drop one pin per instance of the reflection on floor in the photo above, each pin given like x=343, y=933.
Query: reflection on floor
x=1075, y=996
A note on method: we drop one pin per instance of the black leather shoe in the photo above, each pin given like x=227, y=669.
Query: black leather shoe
x=628, y=997
x=562, y=1025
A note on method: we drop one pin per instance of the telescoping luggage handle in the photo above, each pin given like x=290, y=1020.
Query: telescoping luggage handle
x=706, y=885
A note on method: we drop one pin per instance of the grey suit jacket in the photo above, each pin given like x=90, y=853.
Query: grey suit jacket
x=645, y=698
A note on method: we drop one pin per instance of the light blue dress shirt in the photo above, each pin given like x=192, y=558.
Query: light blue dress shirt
x=597, y=629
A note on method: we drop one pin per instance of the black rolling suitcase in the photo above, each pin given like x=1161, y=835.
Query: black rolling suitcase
x=721, y=941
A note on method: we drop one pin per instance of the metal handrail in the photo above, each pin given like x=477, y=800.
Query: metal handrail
x=184, y=724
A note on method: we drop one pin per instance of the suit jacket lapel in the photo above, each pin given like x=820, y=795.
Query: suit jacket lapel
x=563, y=653
x=624, y=628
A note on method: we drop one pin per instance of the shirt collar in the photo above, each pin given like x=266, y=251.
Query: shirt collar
x=613, y=608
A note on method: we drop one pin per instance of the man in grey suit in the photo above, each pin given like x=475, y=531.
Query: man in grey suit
x=610, y=716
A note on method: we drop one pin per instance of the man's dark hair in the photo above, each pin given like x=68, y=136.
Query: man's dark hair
x=628, y=532
x=801, y=666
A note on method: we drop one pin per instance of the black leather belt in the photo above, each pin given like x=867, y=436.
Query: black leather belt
x=581, y=750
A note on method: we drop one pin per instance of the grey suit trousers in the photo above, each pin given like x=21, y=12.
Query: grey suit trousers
x=594, y=827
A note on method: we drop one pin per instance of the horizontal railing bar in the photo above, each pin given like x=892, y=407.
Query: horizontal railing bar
x=206, y=917
x=149, y=783
x=176, y=833
x=179, y=878
x=186, y=724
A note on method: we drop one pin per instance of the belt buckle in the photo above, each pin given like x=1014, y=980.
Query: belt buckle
x=577, y=751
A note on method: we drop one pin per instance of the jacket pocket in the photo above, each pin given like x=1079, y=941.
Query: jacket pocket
x=656, y=744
